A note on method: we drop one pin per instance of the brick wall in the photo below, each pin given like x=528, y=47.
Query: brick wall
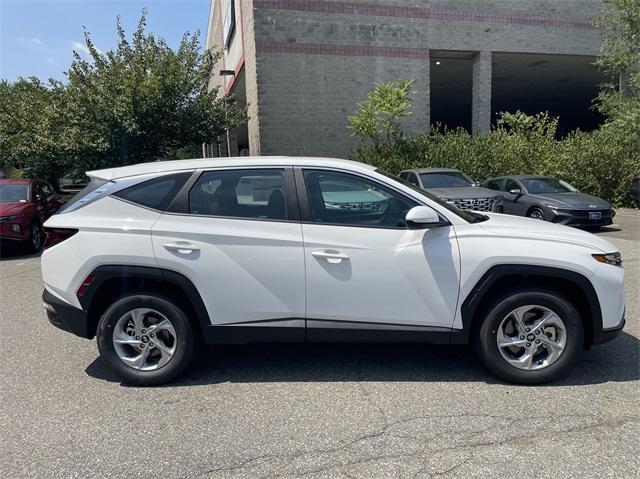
x=315, y=59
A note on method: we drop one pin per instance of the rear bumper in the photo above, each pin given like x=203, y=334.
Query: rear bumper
x=605, y=335
x=66, y=317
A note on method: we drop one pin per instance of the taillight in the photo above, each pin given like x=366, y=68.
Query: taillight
x=53, y=236
x=85, y=285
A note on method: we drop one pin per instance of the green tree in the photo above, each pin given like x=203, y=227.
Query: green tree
x=378, y=117
x=32, y=133
x=143, y=101
x=620, y=58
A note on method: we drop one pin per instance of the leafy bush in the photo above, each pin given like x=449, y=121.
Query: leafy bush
x=601, y=162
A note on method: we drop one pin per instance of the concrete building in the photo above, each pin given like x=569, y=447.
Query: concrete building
x=301, y=66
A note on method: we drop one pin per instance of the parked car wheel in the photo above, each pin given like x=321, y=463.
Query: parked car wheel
x=146, y=339
x=530, y=337
x=36, y=237
x=536, y=213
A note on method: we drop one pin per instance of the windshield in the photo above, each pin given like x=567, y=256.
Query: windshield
x=14, y=193
x=537, y=186
x=470, y=216
x=445, y=179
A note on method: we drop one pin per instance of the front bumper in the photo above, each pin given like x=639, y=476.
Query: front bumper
x=66, y=317
x=581, y=218
x=8, y=233
x=605, y=335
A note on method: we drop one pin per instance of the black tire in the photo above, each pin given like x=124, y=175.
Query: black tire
x=186, y=343
x=536, y=213
x=486, y=336
x=35, y=237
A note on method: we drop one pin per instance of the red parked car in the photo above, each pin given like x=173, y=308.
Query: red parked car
x=24, y=206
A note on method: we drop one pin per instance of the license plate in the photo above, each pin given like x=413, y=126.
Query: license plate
x=595, y=215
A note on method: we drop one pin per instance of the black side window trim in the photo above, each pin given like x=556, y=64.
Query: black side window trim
x=180, y=205
x=305, y=206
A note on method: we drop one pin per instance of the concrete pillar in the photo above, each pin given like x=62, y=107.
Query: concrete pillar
x=481, y=94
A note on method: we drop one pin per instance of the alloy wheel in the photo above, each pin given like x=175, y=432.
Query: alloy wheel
x=536, y=214
x=144, y=339
x=531, y=337
x=36, y=237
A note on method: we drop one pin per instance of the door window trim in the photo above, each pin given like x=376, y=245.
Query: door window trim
x=180, y=204
x=306, y=215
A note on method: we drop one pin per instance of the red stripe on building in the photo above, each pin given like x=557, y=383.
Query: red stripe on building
x=341, y=50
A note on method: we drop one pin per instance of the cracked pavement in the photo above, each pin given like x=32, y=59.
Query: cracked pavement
x=321, y=411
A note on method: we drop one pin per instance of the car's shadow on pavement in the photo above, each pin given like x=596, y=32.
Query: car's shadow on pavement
x=13, y=252
x=617, y=361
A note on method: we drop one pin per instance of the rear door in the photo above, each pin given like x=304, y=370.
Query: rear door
x=367, y=275
x=237, y=236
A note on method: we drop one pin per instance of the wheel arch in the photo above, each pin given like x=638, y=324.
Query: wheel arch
x=535, y=206
x=111, y=282
x=502, y=278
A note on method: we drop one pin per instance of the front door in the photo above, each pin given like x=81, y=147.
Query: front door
x=514, y=204
x=241, y=245
x=366, y=272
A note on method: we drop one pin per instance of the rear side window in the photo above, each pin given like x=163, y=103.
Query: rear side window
x=157, y=193
x=240, y=194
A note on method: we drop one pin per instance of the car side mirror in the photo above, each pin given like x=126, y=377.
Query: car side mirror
x=515, y=191
x=420, y=217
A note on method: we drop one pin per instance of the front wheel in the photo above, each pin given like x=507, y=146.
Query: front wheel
x=530, y=337
x=536, y=213
x=146, y=339
x=36, y=237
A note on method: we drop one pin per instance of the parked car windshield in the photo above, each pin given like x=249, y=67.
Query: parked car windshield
x=14, y=193
x=470, y=216
x=536, y=186
x=445, y=179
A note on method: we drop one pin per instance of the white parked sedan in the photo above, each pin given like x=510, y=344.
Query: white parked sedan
x=153, y=259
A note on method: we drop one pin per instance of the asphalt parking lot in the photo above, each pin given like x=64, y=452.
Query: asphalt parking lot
x=319, y=411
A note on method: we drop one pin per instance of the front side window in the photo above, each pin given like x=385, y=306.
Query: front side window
x=536, y=186
x=341, y=198
x=413, y=179
x=47, y=190
x=511, y=185
x=256, y=194
x=494, y=184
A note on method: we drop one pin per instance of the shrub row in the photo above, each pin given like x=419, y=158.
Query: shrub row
x=601, y=162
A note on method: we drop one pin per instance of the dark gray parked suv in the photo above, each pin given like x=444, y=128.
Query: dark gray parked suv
x=551, y=199
x=454, y=187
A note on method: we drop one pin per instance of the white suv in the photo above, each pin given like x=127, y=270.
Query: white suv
x=155, y=259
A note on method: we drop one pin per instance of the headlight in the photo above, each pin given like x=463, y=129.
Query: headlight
x=553, y=208
x=610, y=258
x=4, y=219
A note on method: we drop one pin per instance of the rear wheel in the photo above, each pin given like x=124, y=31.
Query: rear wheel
x=146, y=339
x=536, y=213
x=530, y=337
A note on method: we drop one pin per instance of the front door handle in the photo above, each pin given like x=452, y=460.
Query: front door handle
x=181, y=247
x=331, y=256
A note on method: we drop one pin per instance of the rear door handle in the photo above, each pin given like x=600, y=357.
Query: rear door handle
x=181, y=247
x=331, y=256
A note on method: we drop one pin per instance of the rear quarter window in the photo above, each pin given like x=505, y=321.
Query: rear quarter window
x=157, y=193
